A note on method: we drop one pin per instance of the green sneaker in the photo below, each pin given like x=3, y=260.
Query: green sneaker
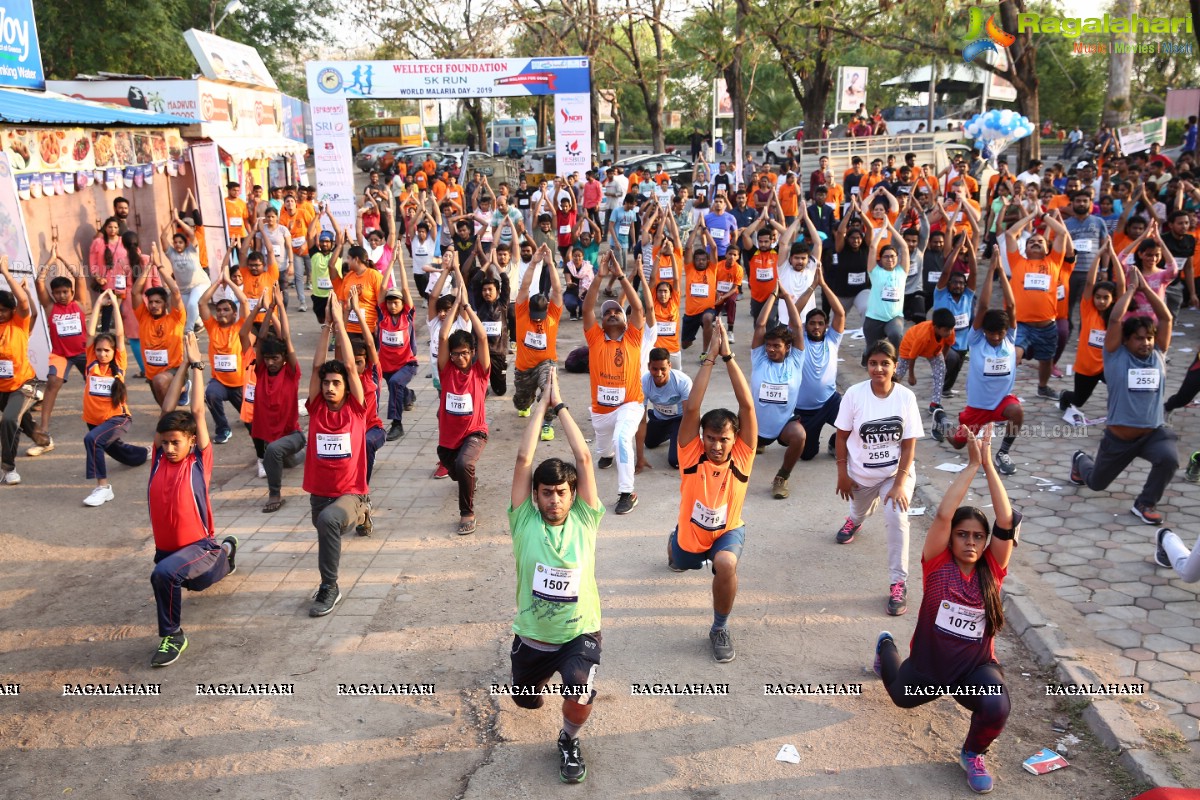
x=169, y=650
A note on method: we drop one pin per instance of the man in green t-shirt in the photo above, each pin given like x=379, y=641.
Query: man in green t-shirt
x=554, y=515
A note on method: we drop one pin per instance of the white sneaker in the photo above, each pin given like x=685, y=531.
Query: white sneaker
x=99, y=496
x=732, y=339
x=37, y=449
x=303, y=307
x=9, y=478
x=262, y=471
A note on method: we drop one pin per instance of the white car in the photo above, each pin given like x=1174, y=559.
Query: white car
x=775, y=151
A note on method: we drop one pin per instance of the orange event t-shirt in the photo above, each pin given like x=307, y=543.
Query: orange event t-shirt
x=97, y=389
x=1035, y=286
x=162, y=339
x=225, y=353
x=920, y=341
x=763, y=275
x=711, y=495
x=666, y=321
x=15, y=367
x=701, y=289
x=370, y=292
x=1089, y=355
x=615, y=367
x=536, y=341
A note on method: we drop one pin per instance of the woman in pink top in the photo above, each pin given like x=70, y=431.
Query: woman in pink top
x=109, y=267
x=1148, y=257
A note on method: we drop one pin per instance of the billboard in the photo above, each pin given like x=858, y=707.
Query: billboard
x=573, y=133
x=20, y=53
x=223, y=60
x=852, y=89
x=426, y=80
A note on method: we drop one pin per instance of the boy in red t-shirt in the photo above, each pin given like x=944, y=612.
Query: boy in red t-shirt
x=397, y=358
x=186, y=553
x=66, y=306
x=335, y=465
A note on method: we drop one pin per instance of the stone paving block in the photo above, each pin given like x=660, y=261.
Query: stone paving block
x=1187, y=661
x=1132, y=589
x=1139, y=654
x=1168, y=619
x=1187, y=726
x=1022, y=613
x=1066, y=560
x=1057, y=579
x=1188, y=633
x=1108, y=597
x=1129, y=613
x=1157, y=671
x=1123, y=638
x=1164, y=644
x=1145, y=628
x=1149, y=603
x=1181, y=691
x=1171, y=594
x=1190, y=610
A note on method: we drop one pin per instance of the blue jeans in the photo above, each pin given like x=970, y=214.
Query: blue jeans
x=300, y=267
x=398, y=391
x=197, y=566
x=215, y=396
x=375, y=440
x=731, y=540
x=191, y=301
x=106, y=438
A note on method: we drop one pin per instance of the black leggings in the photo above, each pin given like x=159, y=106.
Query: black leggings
x=1190, y=388
x=989, y=713
x=1084, y=386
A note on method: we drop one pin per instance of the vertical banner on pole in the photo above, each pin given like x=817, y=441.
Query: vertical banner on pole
x=210, y=197
x=14, y=243
x=738, y=154
x=573, y=133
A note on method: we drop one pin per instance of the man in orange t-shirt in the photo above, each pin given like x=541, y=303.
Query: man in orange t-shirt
x=161, y=318
x=223, y=322
x=536, y=319
x=714, y=466
x=17, y=316
x=1035, y=279
x=615, y=367
x=789, y=199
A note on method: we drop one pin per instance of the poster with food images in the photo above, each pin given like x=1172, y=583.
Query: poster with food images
x=54, y=161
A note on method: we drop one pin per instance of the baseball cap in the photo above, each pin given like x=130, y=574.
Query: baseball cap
x=539, y=306
x=393, y=292
x=607, y=305
x=325, y=236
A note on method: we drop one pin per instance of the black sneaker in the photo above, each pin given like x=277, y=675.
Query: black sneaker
x=571, y=768
x=845, y=534
x=626, y=502
x=722, y=645
x=1160, y=553
x=1146, y=513
x=898, y=601
x=232, y=541
x=1004, y=463
x=325, y=599
x=1076, y=476
x=1048, y=393
x=938, y=429
x=169, y=650
x=832, y=447
x=395, y=431
x=605, y=462
x=877, y=666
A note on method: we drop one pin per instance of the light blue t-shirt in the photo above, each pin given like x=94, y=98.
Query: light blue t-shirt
x=820, y=361
x=886, y=301
x=623, y=220
x=991, y=371
x=776, y=387
x=722, y=227
x=964, y=312
x=666, y=402
x=1088, y=235
x=1136, y=388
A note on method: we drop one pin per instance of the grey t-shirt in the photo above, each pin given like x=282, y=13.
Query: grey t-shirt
x=186, y=266
x=1136, y=388
x=1089, y=235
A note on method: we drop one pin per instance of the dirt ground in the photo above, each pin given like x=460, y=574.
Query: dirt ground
x=423, y=605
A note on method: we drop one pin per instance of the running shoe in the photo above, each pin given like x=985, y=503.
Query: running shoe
x=40, y=449
x=262, y=471
x=1048, y=393
x=303, y=307
x=99, y=496
x=1055, y=372
x=1076, y=474
x=10, y=478
x=832, y=447
x=732, y=339
x=1004, y=463
x=222, y=437
x=1160, y=553
x=571, y=769
x=440, y=472
x=898, y=601
x=605, y=462
x=547, y=433
x=846, y=534
x=779, y=487
x=169, y=650
x=522, y=412
x=395, y=431
x=232, y=541
x=938, y=429
x=722, y=645
x=884, y=636
x=1146, y=513
x=978, y=777
x=626, y=502
x=325, y=598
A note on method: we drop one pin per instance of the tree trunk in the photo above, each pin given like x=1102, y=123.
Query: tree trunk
x=660, y=83
x=733, y=80
x=614, y=153
x=1022, y=73
x=540, y=116
x=1117, y=106
x=818, y=83
x=474, y=107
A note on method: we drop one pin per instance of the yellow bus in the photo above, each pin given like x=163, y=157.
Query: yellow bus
x=404, y=131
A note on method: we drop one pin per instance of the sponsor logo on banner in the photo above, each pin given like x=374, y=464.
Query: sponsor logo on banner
x=572, y=133
x=330, y=80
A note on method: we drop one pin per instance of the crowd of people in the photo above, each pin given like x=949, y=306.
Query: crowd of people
x=931, y=266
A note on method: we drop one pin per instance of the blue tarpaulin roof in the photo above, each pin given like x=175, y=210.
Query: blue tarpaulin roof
x=51, y=108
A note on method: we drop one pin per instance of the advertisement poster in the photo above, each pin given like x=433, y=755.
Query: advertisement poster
x=20, y=52
x=722, y=102
x=852, y=89
x=573, y=133
x=1139, y=136
x=210, y=196
x=14, y=242
x=225, y=60
x=60, y=160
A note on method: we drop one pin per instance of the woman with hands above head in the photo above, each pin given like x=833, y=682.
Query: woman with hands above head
x=952, y=649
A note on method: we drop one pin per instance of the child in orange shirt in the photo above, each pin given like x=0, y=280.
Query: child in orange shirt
x=929, y=340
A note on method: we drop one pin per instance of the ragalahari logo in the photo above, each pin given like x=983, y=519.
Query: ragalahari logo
x=983, y=36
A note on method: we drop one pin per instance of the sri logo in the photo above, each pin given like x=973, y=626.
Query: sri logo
x=981, y=36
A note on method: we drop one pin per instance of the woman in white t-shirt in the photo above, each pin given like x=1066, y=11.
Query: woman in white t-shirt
x=878, y=425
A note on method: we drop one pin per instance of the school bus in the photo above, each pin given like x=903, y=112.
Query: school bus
x=405, y=131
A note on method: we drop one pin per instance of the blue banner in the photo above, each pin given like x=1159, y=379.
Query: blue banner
x=20, y=54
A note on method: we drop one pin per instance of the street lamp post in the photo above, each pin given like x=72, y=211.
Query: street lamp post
x=232, y=7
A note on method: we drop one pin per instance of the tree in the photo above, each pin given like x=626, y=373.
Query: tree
x=1117, y=106
x=649, y=75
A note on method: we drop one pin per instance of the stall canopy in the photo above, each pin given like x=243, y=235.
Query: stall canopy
x=242, y=148
x=51, y=108
x=952, y=78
